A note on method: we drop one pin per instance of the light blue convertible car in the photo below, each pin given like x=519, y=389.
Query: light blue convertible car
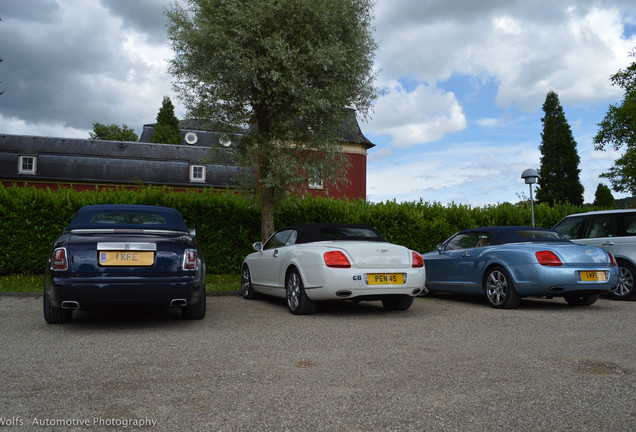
x=508, y=263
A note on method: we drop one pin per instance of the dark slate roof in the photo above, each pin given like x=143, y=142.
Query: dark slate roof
x=208, y=132
x=80, y=160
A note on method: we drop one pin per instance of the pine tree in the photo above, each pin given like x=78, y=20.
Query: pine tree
x=559, y=172
x=603, y=197
x=167, y=127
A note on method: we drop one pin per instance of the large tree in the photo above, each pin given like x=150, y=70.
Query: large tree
x=559, y=171
x=112, y=132
x=166, y=131
x=285, y=70
x=618, y=129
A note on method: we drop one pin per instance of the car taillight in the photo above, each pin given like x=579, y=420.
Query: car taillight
x=612, y=260
x=336, y=259
x=190, y=259
x=417, y=260
x=59, y=259
x=548, y=258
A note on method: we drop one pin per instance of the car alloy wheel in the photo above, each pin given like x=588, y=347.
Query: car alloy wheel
x=247, y=289
x=500, y=292
x=624, y=289
x=297, y=300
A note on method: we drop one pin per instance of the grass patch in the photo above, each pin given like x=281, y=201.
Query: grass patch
x=35, y=283
x=224, y=282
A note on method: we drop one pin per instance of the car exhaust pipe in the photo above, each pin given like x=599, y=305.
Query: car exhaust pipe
x=73, y=305
x=178, y=302
x=416, y=291
x=556, y=289
x=343, y=293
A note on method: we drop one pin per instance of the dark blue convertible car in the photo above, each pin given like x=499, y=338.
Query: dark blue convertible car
x=507, y=263
x=121, y=256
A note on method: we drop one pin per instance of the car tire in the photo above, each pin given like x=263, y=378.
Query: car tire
x=297, y=300
x=397, y=303
x=499, y=289
x=55, y=315
x=195, y=311
x=247, y=289
x=624, y=290
x=582, y=300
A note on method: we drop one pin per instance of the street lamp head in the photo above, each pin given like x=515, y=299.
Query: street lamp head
x=530, y=176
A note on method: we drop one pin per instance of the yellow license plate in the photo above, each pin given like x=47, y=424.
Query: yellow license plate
x=385, y=279
x=126, y=258
x=591, y=276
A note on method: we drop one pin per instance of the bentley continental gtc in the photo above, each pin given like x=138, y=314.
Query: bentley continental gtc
x=505, y=264
x=310, y=263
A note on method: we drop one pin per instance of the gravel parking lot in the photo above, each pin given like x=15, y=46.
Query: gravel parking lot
x=446, y=364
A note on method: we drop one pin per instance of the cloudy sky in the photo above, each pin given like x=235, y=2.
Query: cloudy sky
x=465, y=81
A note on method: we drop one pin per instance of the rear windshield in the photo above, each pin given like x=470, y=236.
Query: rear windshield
x=128, y=218
x=539, y=235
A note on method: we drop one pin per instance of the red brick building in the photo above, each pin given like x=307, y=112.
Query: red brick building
x=203, y=161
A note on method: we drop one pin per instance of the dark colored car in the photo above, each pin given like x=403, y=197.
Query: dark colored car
x=124, y=256
x=507, y=263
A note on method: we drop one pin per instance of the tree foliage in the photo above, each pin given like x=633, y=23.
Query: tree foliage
x=166, y=130
x=603, y=197
x=287, y=71
x=112, y=132
x=559, y=172
x=618, y=130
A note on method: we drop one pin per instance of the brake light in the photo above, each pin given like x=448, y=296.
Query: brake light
x=418, y=261
x=612, y=260
x=59, y=259
x=190, y=259
x=336, y=259
x=548, y=258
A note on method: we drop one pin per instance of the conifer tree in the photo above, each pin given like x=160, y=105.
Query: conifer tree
x=603, y=197
x=167, y=128
x=559, y=171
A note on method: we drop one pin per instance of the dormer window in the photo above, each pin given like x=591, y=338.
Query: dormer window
x=197, y=173
x=27, y=164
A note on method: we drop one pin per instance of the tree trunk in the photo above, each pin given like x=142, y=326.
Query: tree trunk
x=267, y=213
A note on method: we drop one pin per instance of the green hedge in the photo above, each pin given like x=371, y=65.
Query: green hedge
x=227, y=224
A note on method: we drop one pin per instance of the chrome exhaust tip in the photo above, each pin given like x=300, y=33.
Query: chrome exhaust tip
x=178, y=302
x=344, y=293
x=73, y=305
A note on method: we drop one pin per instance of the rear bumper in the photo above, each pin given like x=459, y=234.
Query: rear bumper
x=99, y=293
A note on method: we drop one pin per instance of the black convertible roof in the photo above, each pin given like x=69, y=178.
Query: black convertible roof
x=315, y=232
x=127, y=216
x=519, y=234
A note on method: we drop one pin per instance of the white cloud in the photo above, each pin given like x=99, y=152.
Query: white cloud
x=414, y=117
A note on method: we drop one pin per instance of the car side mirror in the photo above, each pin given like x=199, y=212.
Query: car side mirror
x=192, y=232
x=439, y=248
x=257, y=246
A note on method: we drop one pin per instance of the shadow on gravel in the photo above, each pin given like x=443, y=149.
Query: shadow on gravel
x=338, y=308
x=527, y=303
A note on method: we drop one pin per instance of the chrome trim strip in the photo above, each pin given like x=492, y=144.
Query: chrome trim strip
x=126, y=246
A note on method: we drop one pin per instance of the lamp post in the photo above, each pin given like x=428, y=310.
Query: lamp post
x=530, y=176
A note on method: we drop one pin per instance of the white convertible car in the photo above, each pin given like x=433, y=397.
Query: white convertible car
x=316, y=262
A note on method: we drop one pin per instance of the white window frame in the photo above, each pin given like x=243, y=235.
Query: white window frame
x=193, y=172
x=34, y=162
